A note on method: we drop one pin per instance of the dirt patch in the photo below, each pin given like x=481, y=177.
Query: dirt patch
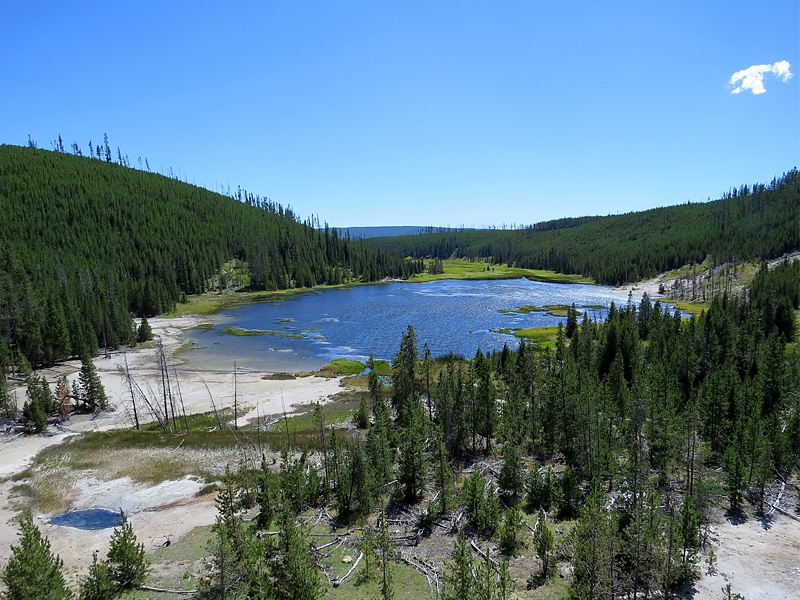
x=760, y=558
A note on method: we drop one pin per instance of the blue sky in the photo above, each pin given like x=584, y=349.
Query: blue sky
x=424, y=113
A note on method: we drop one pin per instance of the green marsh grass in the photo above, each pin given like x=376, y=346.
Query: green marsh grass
x=342, y=366
x=477, y=270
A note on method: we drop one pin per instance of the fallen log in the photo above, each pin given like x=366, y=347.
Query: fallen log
x=147, y=588
x=338, y=582
x=331, y=543
x=787, y=513
x=774, y=505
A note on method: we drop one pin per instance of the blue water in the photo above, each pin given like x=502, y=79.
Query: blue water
x=90, y=520
x=456, y=316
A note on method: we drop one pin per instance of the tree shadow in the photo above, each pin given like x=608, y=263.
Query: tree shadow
x=766, y=521
x=736, y=517
x=686, y=592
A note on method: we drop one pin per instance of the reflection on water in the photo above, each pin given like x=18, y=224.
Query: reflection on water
x=310, y=329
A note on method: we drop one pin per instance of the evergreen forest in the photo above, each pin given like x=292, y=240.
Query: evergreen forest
x=86, y=243
x=750, y=223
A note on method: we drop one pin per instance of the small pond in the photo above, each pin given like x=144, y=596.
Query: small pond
x=90, y=520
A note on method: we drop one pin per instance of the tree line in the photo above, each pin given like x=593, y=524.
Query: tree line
x=85, y=244
x=750, y=223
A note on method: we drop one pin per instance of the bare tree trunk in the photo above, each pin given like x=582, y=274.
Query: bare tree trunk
x=130, y=389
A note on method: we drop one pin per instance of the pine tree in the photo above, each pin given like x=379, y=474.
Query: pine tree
x=373, y=381
x=128, y=566
x=443, y=474
x=543, y=543
x=572, y=321
x=32, y=572
x=473, y=499
x=689, y=535
x=486, y=579
x=39, y=392
x=594, y=548
x=386, y=556
x=511, y=478
x=485, y=399
x=93, y=393
x=367, y=546
x=570, y=493
x=240, y=561
x=294, y=575
x=404, y=374
x=144, y=333
x=379, y=450
x=458, y=575
x=505, y=586
x=33, y=412
x=7, y=407
x=413, y=465
x=734, y=477
x=510, y=539
x=362, y=416
x=98, y=585
x=266, y=496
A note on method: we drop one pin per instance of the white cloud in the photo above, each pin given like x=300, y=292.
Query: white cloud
x=753, y=78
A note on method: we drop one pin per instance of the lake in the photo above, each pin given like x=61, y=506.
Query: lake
x=307, y=330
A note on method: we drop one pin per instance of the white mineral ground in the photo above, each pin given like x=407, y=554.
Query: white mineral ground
x=171, y=509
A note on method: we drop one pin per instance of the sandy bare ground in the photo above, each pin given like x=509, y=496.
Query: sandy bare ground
x=196, y=387
x=650, y=286
x=759, y=558
x=169, y=510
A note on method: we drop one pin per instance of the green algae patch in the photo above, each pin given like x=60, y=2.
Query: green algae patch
x=342, y=366
x=554, y=310
x=544, y=337
x=383, y=368
x=238, y=331
x=693, y=308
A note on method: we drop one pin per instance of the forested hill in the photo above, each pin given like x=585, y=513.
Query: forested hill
x=749, y=223
x=84, y=243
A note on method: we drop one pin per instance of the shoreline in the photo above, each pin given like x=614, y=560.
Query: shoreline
x=256, y=393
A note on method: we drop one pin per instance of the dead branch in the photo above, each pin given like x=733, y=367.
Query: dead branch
x=339, y=545
x=425, y=571
x=483, y=554
x=775, y=504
